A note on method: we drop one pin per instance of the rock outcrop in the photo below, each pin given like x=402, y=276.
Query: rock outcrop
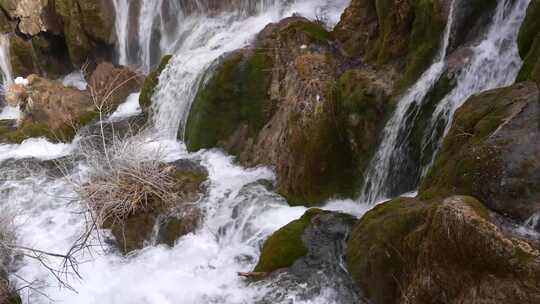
x=293, y=115
x=150, y=83
x=49, y=37
x=307, y=252
x=55, y=111
x=492, y=152
x=441, y=251
x=139, y=230
x=529, y=44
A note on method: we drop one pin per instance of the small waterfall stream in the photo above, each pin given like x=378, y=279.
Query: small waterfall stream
x=239, y=213
x=495, y=63
x=5, y=65
x=377, y=175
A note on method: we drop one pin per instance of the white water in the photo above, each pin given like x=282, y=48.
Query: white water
x=204, y=41
x=202, y=267
x=121, y=26
x=5, y=64
x=377, y=174
x=495, y=63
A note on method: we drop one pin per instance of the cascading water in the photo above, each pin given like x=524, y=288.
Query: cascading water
x=5, y=64
x=377, y=174
x=205, y=40
x=495, y=63
x=239, y=213
x=121, y=26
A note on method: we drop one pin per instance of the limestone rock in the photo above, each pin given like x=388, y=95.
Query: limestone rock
x=442, y=251
x=492, y=152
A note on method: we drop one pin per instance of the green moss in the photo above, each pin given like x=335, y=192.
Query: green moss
x=362, y=105
x=463, y=159
x=21, y=55
x=314, y=30
x=285, y=246
x=150, y=83
x=375, y=251
x=530, y=28
x=66, y=133
x=529, y=44
x=424, y=40
x=235, y=96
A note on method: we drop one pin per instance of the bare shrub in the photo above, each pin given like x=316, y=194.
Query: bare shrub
x=122, y=181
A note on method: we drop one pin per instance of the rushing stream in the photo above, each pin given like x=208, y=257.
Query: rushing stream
x=495, y=63
x=239, y=213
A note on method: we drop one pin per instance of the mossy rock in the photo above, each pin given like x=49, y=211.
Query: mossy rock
x=236, y=95
x=150, y=83
x=21, y=56
x=487, y=154
x=285, y=246
x=65, y=133
x=374, y=251
x=529, y=44
x=172, y=222
x=405, y=34
x=363, y=102
x=401, y=244
x=88, y=28
x=424, y=40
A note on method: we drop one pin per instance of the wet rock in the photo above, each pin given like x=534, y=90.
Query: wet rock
x=492, y=152
x=284, y=87
x=405, y=34
x=308, y=252
x=442, y=251
x=44, y=54
x=57, y=112
x=165, y=225
x=150, y=83
x=88, y=29
x=529, y=44
x=112, y=84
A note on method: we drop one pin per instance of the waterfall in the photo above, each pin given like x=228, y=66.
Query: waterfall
x=205, y=38
x=121, y=26
x=239, y=213
x=5, y=64
x=377, y=174
x=495, y=63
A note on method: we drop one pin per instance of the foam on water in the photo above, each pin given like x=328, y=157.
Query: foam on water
x=129, y=108
x=39, y=148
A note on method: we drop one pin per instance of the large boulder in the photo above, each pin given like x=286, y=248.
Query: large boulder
x=443, y=251
x=138, y=230
x=275, y=104
x=492, y=152
x=88, y=29
x=529, y=44
x=306, y=252
x=44, y=54
x=402, y=33
x=55, y=111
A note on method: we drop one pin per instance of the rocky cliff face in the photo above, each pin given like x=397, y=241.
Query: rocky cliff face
x=50, y=37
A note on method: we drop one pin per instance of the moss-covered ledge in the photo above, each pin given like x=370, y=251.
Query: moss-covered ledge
x=285, y=246
x=150, y=83
x=450, y=243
